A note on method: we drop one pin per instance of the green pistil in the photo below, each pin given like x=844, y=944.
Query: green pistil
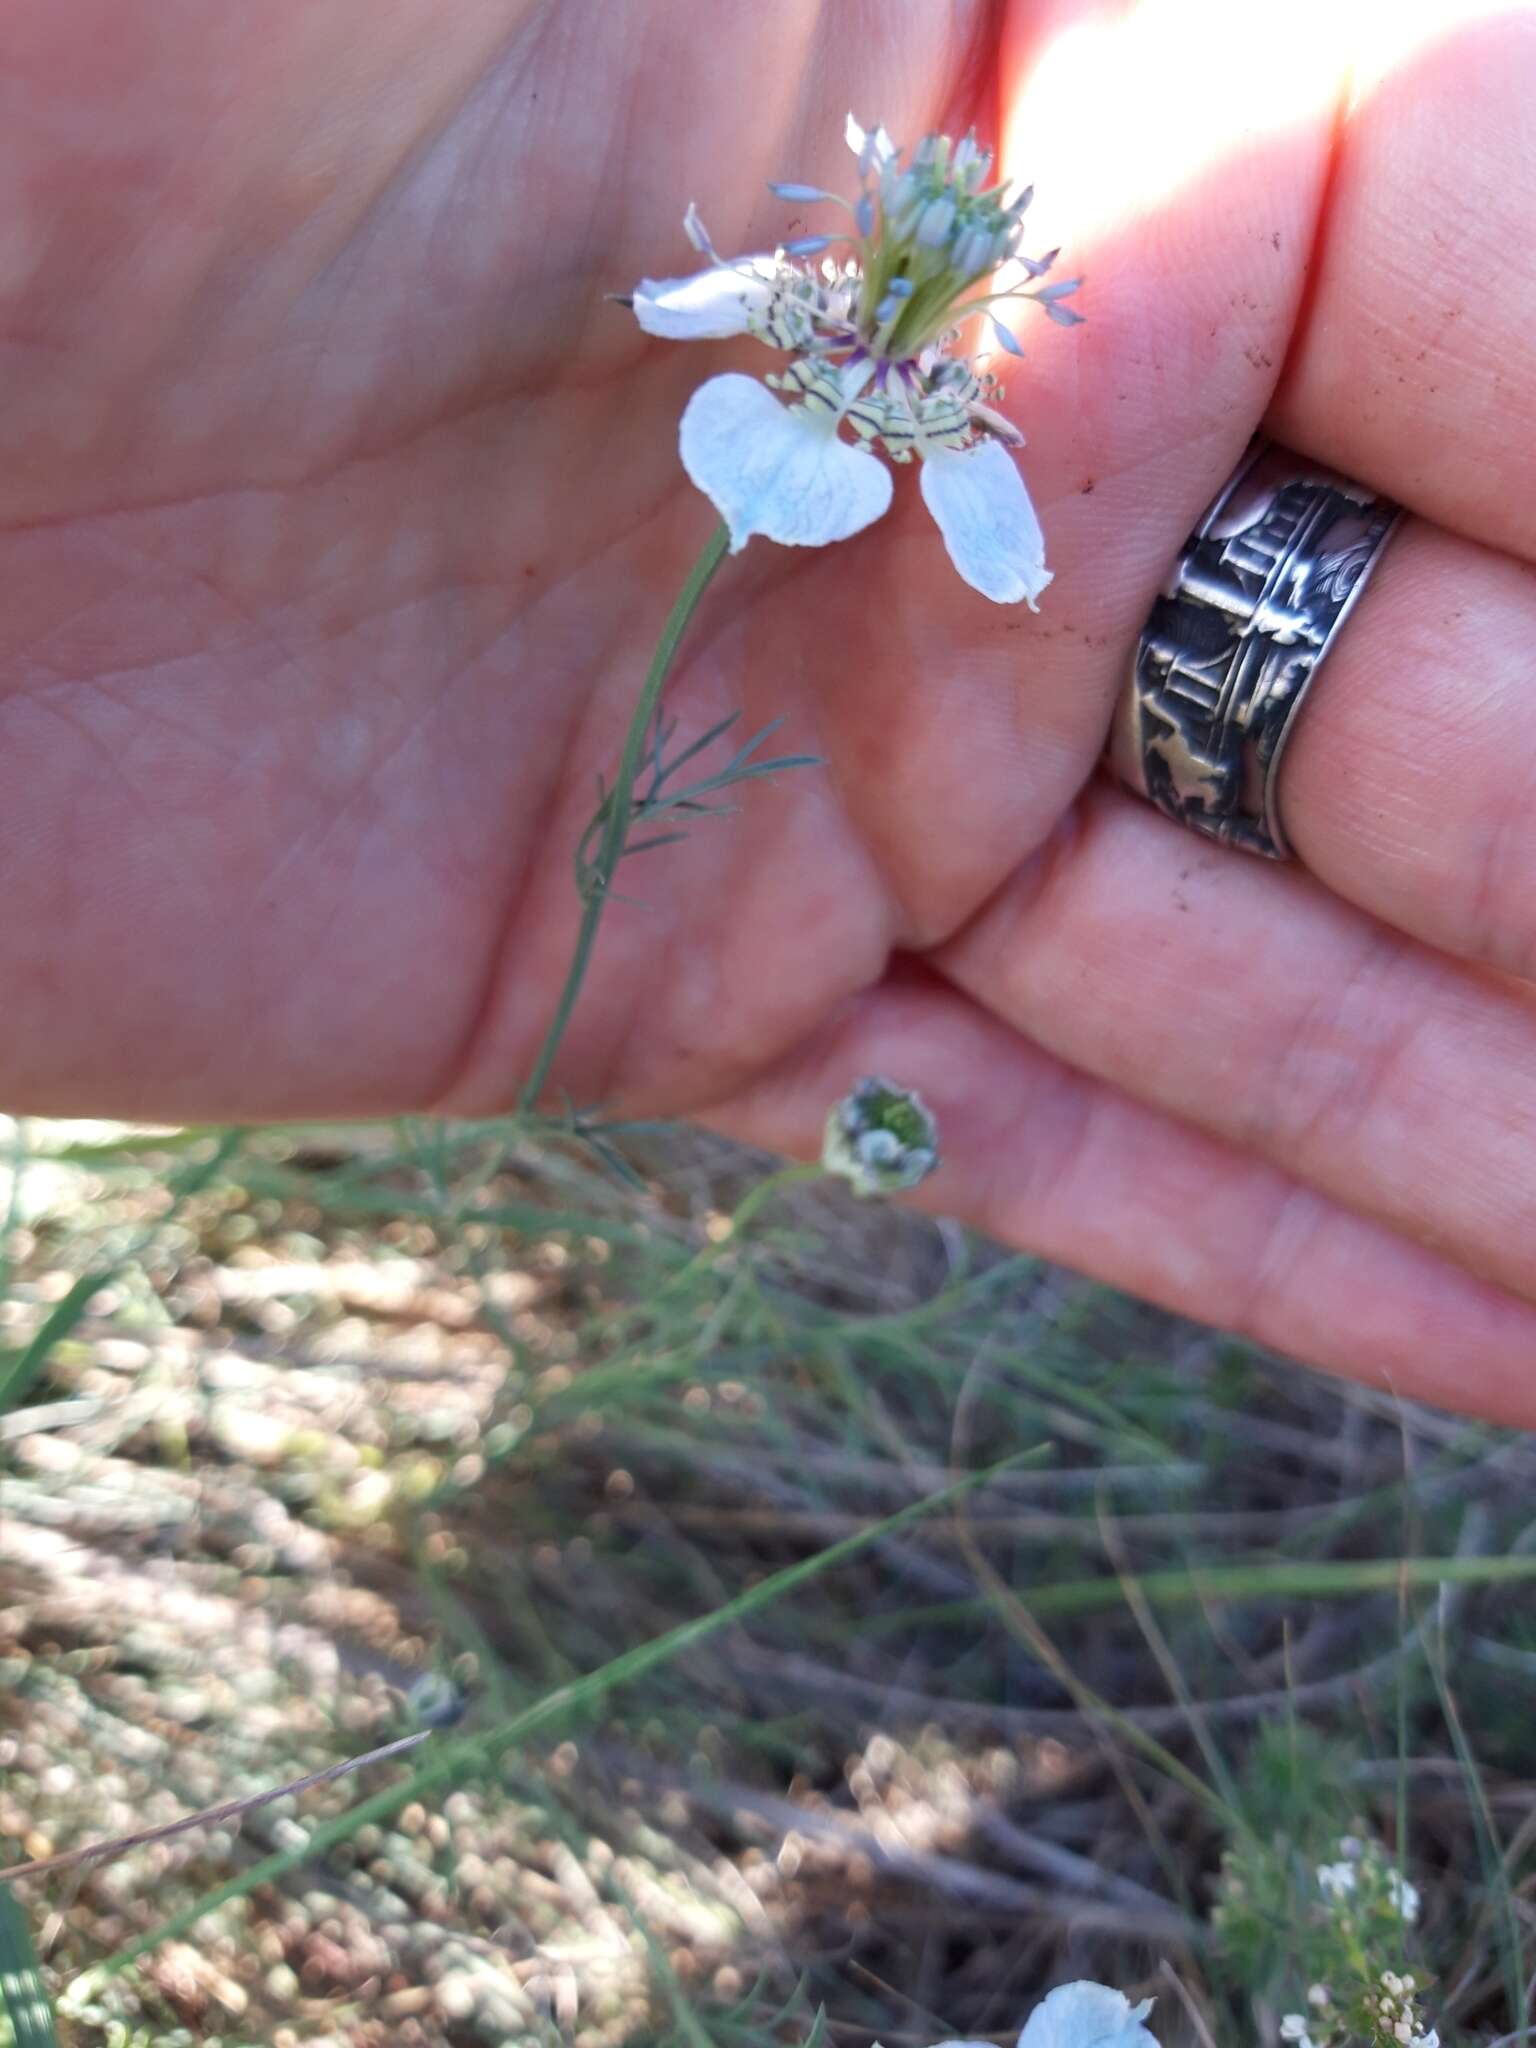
x=938, y=287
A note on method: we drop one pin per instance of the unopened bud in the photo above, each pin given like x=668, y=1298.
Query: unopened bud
x=880, y=1138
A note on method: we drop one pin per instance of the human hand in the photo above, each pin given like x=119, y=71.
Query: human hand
x=340, y=512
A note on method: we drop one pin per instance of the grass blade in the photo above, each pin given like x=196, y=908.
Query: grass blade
x=24, y=1999
x=1187, y=1585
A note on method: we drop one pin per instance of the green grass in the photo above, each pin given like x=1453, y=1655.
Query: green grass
x=760, y=1716
x=26, y=2014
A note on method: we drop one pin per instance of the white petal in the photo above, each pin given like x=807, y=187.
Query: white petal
x=1087, y=2015
x=709, y=305
x=776, y=469
x=988, y=524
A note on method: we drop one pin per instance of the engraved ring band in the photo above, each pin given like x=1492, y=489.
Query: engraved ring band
x=1254, y=601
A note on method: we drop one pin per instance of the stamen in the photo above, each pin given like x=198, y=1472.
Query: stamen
x=698, y=234
x=802, y=195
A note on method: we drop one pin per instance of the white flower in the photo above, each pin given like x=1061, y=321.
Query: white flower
x=1337, y=1879
x=1081, y=2015
x=871, y=337
x=1085, y=2015
x=1403, y=1895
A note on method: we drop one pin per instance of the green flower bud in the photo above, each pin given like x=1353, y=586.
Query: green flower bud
x=880, y=1138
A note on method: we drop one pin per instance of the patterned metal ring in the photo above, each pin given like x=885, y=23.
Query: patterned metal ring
x=1251, y=607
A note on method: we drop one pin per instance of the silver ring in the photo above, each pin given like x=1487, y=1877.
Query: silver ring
x=1253, y=603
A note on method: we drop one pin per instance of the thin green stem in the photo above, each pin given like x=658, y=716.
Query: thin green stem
x=756, y=1197
x=616, y=826
x=759, y=1196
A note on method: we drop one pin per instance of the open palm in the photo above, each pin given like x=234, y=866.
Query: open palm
x=341, y=510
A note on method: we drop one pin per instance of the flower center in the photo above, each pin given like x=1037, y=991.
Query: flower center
x=929, y=232
x=872, y=329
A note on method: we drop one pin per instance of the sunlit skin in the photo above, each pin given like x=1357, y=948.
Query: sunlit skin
x=340, y=511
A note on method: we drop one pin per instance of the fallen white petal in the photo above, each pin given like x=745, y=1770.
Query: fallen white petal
x=709, y=305
x=1085, y=2015
x=775, y=469
x=989, y=526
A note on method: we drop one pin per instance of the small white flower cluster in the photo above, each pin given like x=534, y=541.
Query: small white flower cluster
x=1318, y=1919
x=1391, y=2018
x=1399, y=2017
x=1366, y=1904
x=1342, y=1879
x=872, y=332
x=881, y=1138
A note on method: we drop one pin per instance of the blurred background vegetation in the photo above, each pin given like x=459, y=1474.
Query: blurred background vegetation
x=637, y=1507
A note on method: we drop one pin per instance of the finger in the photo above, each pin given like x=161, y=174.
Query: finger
x=1413, y=370
x=1407, y=784
x=1047, y=1159
x=1247, y=999
x=1195, y=270
x=988, y=723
